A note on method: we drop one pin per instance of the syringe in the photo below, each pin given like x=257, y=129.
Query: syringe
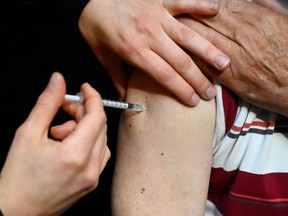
x=108, y=103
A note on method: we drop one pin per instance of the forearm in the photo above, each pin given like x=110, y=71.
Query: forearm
x=163, y=154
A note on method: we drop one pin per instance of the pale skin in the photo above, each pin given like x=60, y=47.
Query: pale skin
x=44, y=176
x=164, y=154
x=143, y=34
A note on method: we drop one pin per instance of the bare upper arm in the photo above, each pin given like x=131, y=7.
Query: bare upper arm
x=163, y=154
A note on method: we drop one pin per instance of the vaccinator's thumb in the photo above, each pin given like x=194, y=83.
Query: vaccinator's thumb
x=48, y=104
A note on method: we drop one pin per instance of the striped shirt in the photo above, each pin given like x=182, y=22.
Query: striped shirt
x=250, y=160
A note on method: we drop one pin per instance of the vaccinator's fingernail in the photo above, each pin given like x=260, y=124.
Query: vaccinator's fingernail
x=210, y=93
x=222, y=62
x=54, y=81
x=195, y=100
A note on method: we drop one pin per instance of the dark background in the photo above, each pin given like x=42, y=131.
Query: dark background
x=38, y=40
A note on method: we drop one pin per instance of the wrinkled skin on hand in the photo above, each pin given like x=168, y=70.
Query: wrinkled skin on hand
x=276, y=5
x=143, y=34
x=256, y=39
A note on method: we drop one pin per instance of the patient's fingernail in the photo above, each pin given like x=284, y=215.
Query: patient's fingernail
x=211, y=92
x=195, y=100
x=222, y=62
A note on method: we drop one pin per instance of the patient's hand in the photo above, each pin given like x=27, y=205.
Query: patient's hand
x=256, y=39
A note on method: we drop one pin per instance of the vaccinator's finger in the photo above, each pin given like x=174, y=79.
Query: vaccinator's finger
x=62, y=131
x=47, y=105
x=204, y=7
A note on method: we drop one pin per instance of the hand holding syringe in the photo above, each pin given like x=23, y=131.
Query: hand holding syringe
x=108, y=103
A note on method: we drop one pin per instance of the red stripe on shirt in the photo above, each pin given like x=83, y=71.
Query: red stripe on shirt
x=242, y=193
x=230, y=107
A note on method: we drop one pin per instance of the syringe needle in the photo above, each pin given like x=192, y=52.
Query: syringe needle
x=122, y=105
x=137, y=107
x=108, y=103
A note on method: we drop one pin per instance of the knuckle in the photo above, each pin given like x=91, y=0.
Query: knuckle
x=125, y=47
x=210, y=50
x=131, y=41
x=183, y=61
x=90, y=180
x=126, y=43
x=166, y=75
x=183, y=35
x=202, y=84
x=145, y=30
x=76, y=163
